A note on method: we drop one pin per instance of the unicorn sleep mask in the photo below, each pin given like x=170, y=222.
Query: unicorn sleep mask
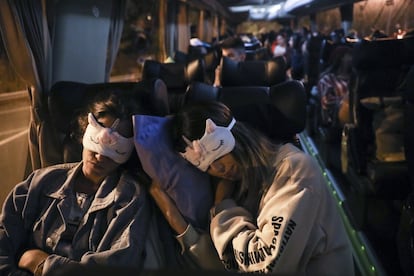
x=216, y=142
x=107, y=141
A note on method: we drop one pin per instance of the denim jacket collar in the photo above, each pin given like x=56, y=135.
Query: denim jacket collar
x=104, y=196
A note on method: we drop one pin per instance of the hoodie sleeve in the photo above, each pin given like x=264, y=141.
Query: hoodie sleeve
x=276, y=240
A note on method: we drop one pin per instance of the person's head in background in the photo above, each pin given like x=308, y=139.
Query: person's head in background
x=233, y=48
x=106, y=130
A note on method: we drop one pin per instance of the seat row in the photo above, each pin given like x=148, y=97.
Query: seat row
x=271, y=103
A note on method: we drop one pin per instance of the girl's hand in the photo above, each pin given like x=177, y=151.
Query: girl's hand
x=224, y=189
x=31, y=259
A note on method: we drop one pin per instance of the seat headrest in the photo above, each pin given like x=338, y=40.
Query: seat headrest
x=200, y=91
x=211, y=60
x=66, y=98
x=195, y=70
x=278, y=111
x=249, y=104
x=175, y=75
x=380, y=53
x=408, y=87
x=290, y=99
x=180, y=57
x=408, y=48
x=253, y=72
x=244, y=95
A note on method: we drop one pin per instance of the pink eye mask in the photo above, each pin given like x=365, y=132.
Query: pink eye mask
x=216, y=142
x=107, y=141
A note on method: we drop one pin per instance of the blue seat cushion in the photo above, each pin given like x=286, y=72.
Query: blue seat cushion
x=189, y=187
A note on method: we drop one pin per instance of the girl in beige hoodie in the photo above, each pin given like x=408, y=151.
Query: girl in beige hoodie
x=273, y=212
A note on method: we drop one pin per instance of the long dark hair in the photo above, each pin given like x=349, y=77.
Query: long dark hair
x=253, y=152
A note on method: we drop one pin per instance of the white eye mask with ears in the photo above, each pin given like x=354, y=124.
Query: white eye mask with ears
x=216, y=142
x=107, y=141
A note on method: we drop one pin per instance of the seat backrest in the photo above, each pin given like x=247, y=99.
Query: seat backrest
x=67, y=98
x=312, y=60
x=176, y=76
x=408, y=95
x=253, y=72
x=290, y=99
x=380, y=69
x=278, y=111
x=173, y=74
x=211, y=61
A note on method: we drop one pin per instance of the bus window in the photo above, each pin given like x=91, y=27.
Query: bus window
x=138, y=41
x=14, y=115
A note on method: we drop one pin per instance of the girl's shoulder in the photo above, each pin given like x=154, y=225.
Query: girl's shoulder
x=294, y=157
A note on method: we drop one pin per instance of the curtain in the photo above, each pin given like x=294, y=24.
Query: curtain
x=162, y=11
x=183, y=28
x=25, y=32
x=27, y=29
x=115, y=33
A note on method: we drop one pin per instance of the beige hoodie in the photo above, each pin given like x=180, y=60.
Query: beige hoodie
x=298, y=230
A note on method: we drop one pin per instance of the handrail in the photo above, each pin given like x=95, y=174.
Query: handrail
x=364, y=256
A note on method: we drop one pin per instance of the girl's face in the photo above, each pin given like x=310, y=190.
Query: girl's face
x=97, y=166
x=233, y=54
x=225, y=167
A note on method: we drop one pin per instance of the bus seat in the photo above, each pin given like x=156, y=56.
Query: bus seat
x=200, y=91
x=278, y=111
x=176, y=76
x=312, y=68
x=211, y=61
x=180, y=57
x=261, y=53
x=253, y=72
x=250, y=54
x=372, y=152
x=290, y=98
x=66, y=98
x=405, y=237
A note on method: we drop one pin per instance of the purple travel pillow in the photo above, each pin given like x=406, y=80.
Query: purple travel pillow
x=189, y=187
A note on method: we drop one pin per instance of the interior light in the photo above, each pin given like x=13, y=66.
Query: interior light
x=240, y=8
x=274, y=8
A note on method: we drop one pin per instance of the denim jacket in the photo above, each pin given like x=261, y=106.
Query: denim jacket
x=113, y=231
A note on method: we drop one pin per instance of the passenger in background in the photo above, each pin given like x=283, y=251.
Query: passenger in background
x=232, y=48
x=273, y=213
x=95, y=212
x=333, y=88
x=283, y=49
